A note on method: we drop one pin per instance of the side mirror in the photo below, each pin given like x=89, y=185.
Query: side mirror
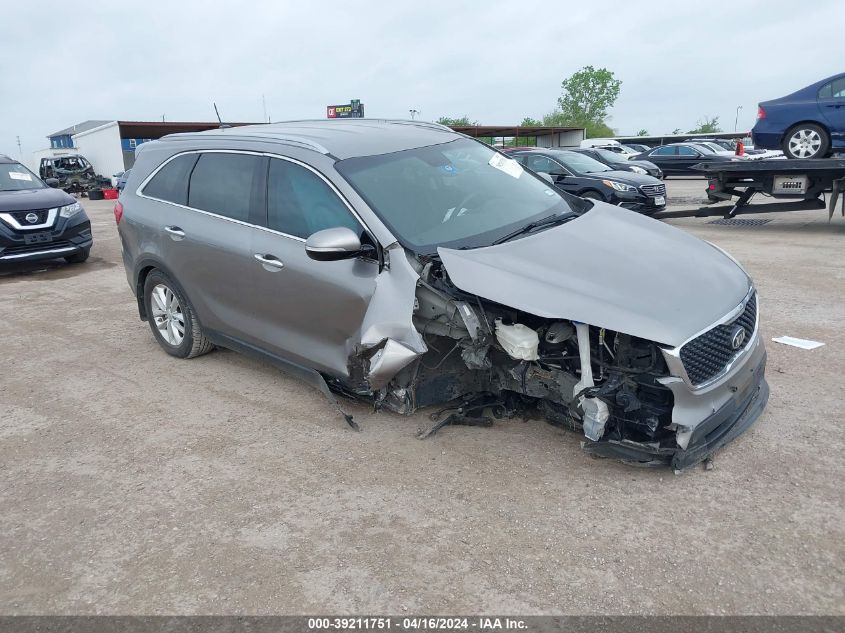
x=546, y=177
x=330, y=245
x=52, y=182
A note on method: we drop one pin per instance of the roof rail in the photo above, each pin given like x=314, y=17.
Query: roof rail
x=240, y=135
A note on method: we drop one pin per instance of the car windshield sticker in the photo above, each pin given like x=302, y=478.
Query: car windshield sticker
x=507, y=165
x=16, y=175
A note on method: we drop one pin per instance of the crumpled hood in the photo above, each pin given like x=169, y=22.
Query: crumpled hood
x=610, y=268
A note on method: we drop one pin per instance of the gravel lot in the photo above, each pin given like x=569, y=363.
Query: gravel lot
x=132, y=482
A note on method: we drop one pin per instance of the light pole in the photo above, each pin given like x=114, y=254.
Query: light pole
x=736, y=120
x=414, y=113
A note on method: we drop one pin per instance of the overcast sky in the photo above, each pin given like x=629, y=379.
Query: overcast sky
x=63, y=63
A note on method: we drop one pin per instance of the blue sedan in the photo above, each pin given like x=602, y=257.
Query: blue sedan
x=809, y=123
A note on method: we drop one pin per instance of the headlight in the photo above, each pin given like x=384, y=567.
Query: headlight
x=638, y=170
x=619, y=186
x=70, y=210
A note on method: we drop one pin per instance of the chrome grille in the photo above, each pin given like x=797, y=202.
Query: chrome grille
x=654, y=190
x=20, y=216
x=707, y=355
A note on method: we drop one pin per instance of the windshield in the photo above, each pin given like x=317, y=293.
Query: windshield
x=581, y=164
x=16, y=177
x=460, y=194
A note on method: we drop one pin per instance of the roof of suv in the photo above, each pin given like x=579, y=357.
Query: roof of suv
x=340, y=138
x=7, y=159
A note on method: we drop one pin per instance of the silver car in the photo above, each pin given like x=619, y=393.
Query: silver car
x=405, y=264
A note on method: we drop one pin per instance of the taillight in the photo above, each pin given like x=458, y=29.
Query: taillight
x=118, y=212
x=761, y=113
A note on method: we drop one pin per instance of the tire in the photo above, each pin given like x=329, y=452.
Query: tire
x=78, y=258
x=591, y=194
x=806, y=140
x=174, y=326
x=95, y=194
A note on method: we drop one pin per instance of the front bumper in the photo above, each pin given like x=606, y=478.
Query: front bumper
x=713, y=416
x=68, y=236
x=639, y=202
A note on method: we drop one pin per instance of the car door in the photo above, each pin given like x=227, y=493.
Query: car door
x=207, y=242
x=308, y=311
x=832, y=106
x=544, y=165
x=665, y=157
x=686, y=157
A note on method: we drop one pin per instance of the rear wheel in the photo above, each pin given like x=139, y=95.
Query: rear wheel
x=172, y=319
x=806, y=140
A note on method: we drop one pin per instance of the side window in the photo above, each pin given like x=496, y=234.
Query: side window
x=685, y=150
x=663, y=151
x=299, y=203
x=541, y=164
x=222, y=183
x=171, y=182
x=835, y=89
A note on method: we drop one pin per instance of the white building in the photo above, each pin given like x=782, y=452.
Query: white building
x=110, y=145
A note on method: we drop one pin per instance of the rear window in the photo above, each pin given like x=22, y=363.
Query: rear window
x=835, y=89
x=223, y=184
x=171, y=182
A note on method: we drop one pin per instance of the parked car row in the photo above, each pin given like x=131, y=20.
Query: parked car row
x=582, y=175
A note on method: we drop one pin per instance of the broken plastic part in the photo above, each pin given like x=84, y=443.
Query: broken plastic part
x=518, y=340
x=559, y=332
x=387, y=362
x=596, y=412
x=470, y=318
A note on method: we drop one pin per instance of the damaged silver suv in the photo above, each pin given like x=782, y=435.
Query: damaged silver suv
x=408, y=265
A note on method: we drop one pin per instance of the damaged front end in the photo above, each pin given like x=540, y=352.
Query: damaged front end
x=614, y=388
x=623, y=393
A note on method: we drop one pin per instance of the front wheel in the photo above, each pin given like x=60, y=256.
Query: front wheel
x=172, y=319
x=806, y=140
x=78, y=258
x=592, y=195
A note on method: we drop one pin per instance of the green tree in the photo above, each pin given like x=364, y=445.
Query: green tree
x=709, y=125
x=529, y=122
x=586, y=97
x=642, y=132
x=464, y=120
x=677, y=130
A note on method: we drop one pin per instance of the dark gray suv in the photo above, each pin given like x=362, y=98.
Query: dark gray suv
x=408, y=265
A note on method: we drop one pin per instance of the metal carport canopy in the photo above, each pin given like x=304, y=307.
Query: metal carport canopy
x=510, y=130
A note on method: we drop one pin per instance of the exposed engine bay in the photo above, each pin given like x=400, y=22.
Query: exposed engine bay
x=498, y=359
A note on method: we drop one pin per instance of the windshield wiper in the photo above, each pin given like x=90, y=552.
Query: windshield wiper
x=536, y=224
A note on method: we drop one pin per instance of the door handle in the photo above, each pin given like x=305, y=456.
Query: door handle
x=270, y=262
x=175, y=232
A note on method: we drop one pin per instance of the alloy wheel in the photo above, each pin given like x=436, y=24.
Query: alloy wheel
x=805, y=143
x=167, y=314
